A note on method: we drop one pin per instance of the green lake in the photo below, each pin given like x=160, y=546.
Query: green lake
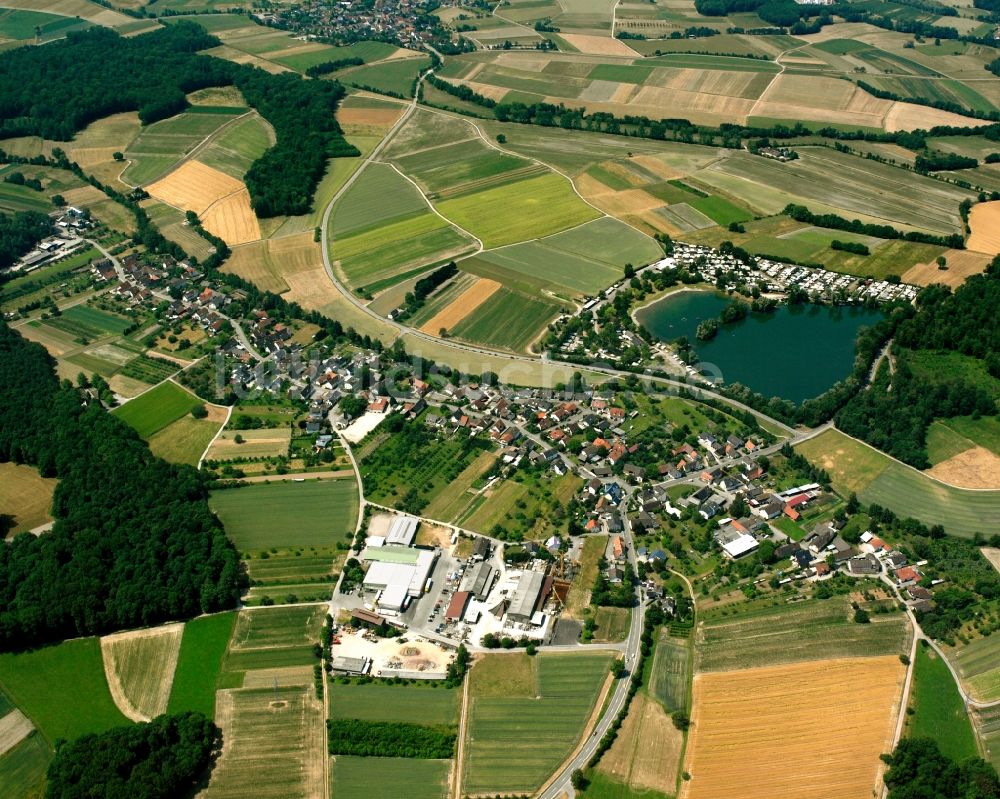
x=795, y=353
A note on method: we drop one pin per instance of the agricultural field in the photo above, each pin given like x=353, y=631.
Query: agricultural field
x=139, y=666
x=383, y=229
x=938, y=710
x=199, y=663
x=978, y=664
x=988, y=724
x=62, y=689
x=287, y=514
x=579, y=592
x=527, y=209
x=159, y=146
x=22, y=768
x=876, y=478
x=670, y=674
x=25, y=498
x=82, y=321
x=274, y=744
x=233, y=150
x=395, y=77
x=647, y=751
x=378, y=702
x=507, y=320
x=274, y=638
x=612, y=624
x=157, y=408
x=351, y=777
x=764, y=635
x=550, y=699
x=185, y=440
x=581, y=261
x=264, y=443
x=35, y=27
x=746, y=721
x=463, y=490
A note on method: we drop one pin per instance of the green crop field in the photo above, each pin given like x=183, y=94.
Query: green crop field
x=988, y=722
x=87, y=322
x=584, y=260
x=508, y=320
x=445, y=167
x=389, y=77
x=235, y=149
x=203, y=646
x=612, y=624
x=938, y=710
x=379, y=196
x=270, y=638
x=388, y=253
x=515, y=742
x=23, y=25
x=22, y=768
x=876, y=478
x=524, y=508
x=978, y=663
x=353, y=778
x=158, y=407
x=670, y=675
x=160, y=145
x=518, y=211
x=402, y=703
x=764, y=635
x=288, y=514
x=62, y=689
x=21, y=198
x=276, y=745
x=622, y=73
x=149, y=370
x=719, y=210
x=601, y=786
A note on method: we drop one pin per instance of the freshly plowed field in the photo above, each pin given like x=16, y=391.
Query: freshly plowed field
x=758, y=734
x=464, y=304
x=194, y=187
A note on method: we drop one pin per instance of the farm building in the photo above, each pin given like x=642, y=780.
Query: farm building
x=526, y=596
x=402, y=531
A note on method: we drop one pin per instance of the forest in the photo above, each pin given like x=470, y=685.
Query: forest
x=19, y=233
x=389, y=739
x=134, y=542
x=151, y=74
x=918, y=770
x=166, y=758
x=965, y=322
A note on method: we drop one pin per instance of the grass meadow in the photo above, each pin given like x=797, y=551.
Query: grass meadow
x=199, y=664
x=62, y=689
x=515, y=742
x=938, y=709
x=158, y=407
x=183, y=440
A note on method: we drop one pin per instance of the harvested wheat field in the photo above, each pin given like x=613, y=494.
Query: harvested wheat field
x=646, y=754
x=194, y=187
x=984, y=222
x=825, y=722
x=598, y=45
x=961, y=265
x=272, y=264
x=256, y=444
x=140, y=669
x=653, y=164
x=463, y=305
x=14, y=728
x=975, y=468
x=381, y=117
x=908, y=116
x=232, y=219
x=992, y=554
x=25, y=496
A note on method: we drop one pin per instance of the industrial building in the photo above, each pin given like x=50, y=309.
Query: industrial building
x=402, y=531
x=397, y=579
x=526, y=596
x=346, y=665
x=478, y=580
x=457, y=606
